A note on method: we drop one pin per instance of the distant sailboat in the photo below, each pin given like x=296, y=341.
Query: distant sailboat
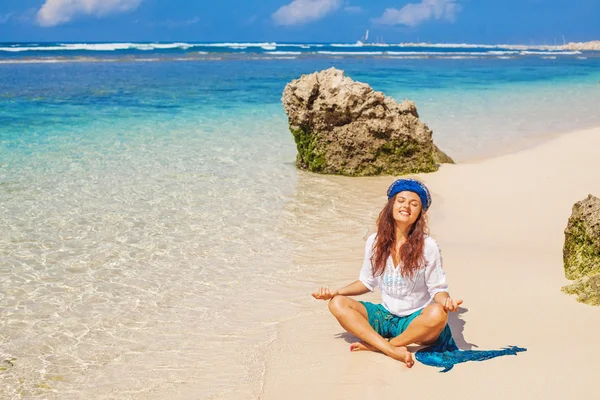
x=364, y=39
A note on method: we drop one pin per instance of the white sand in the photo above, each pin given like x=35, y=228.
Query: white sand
x=500, y=225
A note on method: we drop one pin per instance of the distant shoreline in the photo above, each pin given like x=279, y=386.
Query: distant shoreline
x=159, y=45
x=26, y=53
x=585, y=46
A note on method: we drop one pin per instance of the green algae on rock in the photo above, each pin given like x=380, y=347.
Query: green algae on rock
x=309, y=156
x=345, y=127
x=581, y=251
x=586, y=289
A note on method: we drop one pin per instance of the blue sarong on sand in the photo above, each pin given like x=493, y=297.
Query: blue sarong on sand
x=444, y=353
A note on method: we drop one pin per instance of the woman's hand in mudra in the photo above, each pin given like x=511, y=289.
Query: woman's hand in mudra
x=451, y=305
x=324, y=294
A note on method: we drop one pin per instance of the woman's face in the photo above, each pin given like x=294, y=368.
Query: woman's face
x=407, y=207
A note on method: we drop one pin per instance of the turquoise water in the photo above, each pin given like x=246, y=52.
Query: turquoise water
x=464, y=101
x=27, y=52
x=155, y=229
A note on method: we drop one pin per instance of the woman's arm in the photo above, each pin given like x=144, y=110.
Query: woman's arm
x=356, y=288
x=444, y=299
x=435, y=278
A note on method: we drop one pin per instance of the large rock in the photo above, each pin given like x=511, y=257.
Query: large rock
x=345, y=127
x=581, y=252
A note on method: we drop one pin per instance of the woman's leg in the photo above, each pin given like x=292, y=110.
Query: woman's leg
x=423, y=330
x=353, y=317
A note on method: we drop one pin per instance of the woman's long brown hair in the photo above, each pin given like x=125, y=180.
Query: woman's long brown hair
x=412, y=257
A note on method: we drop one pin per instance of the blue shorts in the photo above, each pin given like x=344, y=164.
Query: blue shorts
x=384, y=322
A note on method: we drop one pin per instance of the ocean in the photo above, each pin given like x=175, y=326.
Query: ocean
x=154, y=227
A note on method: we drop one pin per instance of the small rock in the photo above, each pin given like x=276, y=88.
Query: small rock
x=581, y=251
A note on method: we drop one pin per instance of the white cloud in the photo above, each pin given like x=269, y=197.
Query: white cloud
x=302, y=11
x=415, y=13
x=56, y=12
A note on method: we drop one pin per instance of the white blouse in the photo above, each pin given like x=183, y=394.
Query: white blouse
x=401, y=295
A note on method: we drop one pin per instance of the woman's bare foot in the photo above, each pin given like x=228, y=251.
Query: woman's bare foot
x=362, y=346
x=400, y=353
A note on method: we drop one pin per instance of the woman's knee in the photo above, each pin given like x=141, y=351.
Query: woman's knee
x=338, y=304
x=435, y=315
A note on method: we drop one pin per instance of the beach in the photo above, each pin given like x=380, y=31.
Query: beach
x=159, y=241
x=500, y=224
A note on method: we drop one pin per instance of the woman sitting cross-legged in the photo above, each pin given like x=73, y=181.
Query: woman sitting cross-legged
x=405, y=263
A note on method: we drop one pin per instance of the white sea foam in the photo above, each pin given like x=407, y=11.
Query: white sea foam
x=285, y=52
x=173, y=45
x=408, y=53
x=406, y=57
x=563, y=53
x=459, y=57
x=439, y=54
x=238, y=45
x=499, y=52
x=446, y=45
x=452, y=53
x=35, y=61
x=20, y=49
x=50, y=60
x=302, y=46
x=351, y=53
x=481, y=46
x=99, y=47
x=269, y=46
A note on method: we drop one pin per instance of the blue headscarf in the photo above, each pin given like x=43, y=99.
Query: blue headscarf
x=412, y=185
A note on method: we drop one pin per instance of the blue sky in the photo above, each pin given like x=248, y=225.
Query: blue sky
x=392, y=21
